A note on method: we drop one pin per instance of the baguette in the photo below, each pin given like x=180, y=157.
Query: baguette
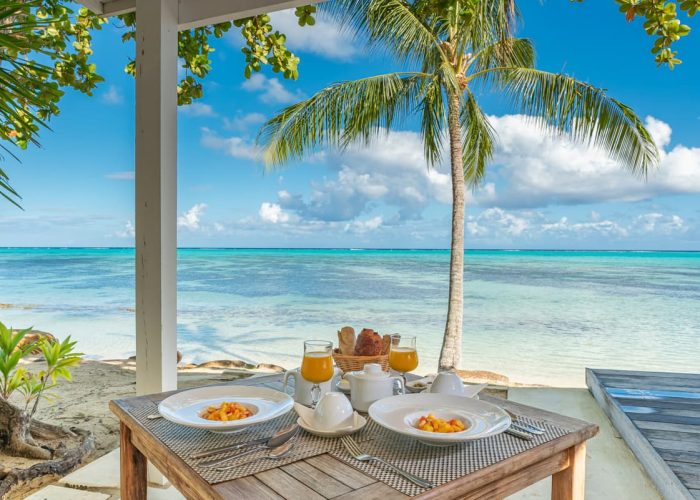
x=386, y=344
x=346, y=340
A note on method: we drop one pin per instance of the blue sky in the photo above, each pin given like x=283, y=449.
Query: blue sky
x=540, y=192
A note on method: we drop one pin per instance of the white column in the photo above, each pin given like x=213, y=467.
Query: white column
x=156, y=195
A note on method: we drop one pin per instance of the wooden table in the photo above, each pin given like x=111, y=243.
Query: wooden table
x=323, y=476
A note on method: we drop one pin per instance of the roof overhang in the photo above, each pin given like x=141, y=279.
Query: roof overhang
x=197, y=13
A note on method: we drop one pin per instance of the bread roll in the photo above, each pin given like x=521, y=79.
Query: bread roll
x=369, y=343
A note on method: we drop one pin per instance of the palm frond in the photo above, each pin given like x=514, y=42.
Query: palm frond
x=340, y=115
x=391, y=26
x=6, y=190
x=432, y=121
x=583, y=112
x=508, y=53
x=490, y=22
x=478, y=139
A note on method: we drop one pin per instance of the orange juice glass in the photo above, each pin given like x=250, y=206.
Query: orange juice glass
x=403, y=359
x=403, y=356
x=317, y=366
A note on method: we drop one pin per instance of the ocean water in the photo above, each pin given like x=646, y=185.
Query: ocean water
x=536, y=316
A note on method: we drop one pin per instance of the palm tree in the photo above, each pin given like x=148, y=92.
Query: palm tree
x=452, y=49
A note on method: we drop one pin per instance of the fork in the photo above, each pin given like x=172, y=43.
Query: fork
x=519, y=424
x=354, y=449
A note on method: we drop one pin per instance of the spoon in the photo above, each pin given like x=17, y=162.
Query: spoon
x=274, y=454
x=227, y=449
x=275, y=441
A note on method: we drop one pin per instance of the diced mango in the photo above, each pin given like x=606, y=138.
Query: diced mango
x=430, y=423
x=226, y=412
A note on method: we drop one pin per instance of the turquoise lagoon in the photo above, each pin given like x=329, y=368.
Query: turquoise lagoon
x=537, y=316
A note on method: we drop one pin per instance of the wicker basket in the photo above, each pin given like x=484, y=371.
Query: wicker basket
x=355, y=363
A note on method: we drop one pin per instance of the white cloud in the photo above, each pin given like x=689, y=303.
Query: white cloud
x=364, y=226
x=660, y=131
x=191, y=219
x=497, y=220
x=391, y=171
x=242, y=123
x=536, y=169
x=113, y=95
x=126, y=175
x=532, y=169
x=659, y=223
x=498, y=224
x=237, y=147
x=605, y=228
x=326, y=38
x=127, y=232
x=197, y=110
x=272, y=212
x=270, y=90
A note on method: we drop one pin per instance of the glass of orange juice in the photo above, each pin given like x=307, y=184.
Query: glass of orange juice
x=403, y=356
x=317, y=366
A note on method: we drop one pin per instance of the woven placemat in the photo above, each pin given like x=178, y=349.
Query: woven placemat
x=439, y=465
x=436, y=464
x=184, y=441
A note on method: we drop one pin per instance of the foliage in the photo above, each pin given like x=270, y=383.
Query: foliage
x=263, y=46
x=452, y=50
x=59, y=358
x=44, y=46
x=661, y=21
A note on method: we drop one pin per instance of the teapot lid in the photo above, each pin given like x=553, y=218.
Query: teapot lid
x=371, y=371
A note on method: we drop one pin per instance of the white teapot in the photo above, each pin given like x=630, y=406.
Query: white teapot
x=370, y=385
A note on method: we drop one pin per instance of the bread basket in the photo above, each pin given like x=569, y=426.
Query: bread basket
x=356, y=363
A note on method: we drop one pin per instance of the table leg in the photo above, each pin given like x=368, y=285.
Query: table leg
x=570, y=483
x=133, y=473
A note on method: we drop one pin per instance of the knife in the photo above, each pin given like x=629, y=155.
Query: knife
x=528, y=428
x=519, y=434
x=233, y=447
x=278, y=438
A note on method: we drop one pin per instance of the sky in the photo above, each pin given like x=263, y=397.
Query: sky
x=540, y=192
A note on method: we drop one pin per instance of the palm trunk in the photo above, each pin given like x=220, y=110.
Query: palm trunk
x=451, y=352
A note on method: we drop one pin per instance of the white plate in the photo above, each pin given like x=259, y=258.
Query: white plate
x=185, y=408
x=400, y=413
x=420, y=384
x=358, y=423
x=343, y=386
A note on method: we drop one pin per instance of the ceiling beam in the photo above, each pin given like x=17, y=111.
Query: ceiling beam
x=94, y=5
x=117, y=7
x=197, y=13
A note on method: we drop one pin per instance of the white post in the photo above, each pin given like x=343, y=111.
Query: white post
x=156, y=195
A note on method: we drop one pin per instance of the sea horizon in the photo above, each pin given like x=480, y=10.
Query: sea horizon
x=536, y=316
x=427, y=249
